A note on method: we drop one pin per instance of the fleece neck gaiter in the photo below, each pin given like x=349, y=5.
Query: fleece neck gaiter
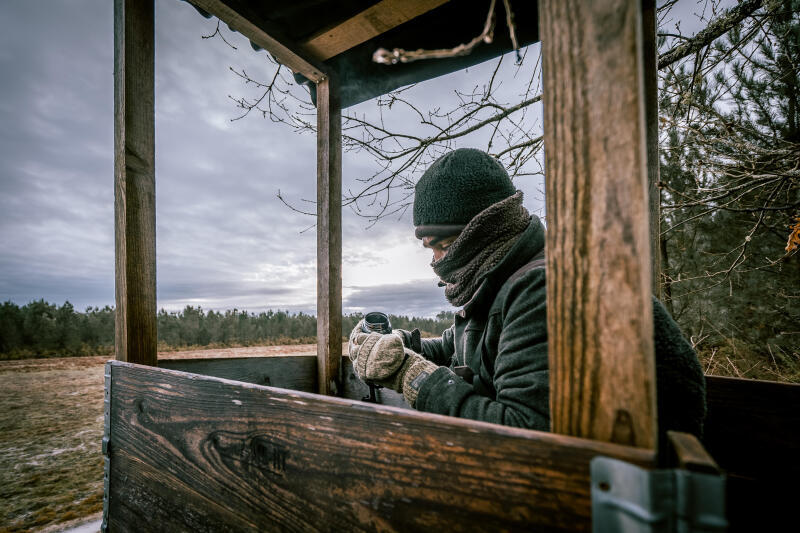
x=480, y=246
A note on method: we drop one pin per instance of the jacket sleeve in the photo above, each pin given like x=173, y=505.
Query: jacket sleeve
x=441, y=349
x=438, y=350
x=521, y=378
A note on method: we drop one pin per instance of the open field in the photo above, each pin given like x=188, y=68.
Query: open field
x=51, y=427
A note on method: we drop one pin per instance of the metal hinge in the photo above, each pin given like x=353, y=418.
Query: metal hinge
x=630, y=499
x=106, y=445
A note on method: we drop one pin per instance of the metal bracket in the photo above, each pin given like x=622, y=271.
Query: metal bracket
x=630, y=499
x=106, y=445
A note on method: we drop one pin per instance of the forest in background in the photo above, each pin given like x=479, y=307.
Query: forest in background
x=730, y=194
x=42, y=329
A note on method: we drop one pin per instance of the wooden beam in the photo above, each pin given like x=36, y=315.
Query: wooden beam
x=295, y=372
x=599, y=310
x=370, y=23
x=189, y=453
x=329, y=237
x=753, y=427
x=753, y=432
x=134, y=182
x=650, y=72
x=260, y=32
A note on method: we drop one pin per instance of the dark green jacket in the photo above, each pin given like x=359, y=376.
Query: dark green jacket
x=501, y=335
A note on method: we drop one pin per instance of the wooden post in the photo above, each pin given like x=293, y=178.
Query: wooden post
x=650, y=71
x=134, y=181
x=329, y=237
x=600, y=325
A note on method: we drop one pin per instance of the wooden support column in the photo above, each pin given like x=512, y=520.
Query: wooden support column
x=650, y=72
x=134, y=181
x=599, y=310
x=329, y=237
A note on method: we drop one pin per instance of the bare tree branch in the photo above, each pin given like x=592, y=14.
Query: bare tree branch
x=711, y=32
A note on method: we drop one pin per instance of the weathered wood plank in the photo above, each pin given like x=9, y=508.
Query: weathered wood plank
x=753, y=427
x=650, y=72
x=600, y=327
x=295, y=372
x=134, y=182
x=373, y=21
x=244, y=20
x=753, y=432
x=194, y=453
x=329, y=237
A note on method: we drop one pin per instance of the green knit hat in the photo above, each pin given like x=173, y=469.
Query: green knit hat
x=455, y=188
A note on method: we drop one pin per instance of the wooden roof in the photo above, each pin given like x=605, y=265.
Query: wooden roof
x=339, y=37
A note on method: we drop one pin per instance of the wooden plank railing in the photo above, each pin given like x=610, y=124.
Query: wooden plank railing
x=202, y=453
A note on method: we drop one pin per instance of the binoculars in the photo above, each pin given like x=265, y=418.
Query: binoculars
x=376, y=322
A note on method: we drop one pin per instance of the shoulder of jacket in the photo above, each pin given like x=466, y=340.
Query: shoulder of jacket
x=530, y=274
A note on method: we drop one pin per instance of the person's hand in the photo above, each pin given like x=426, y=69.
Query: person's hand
x=411, y=339
x=357, y=337
x=382, y=359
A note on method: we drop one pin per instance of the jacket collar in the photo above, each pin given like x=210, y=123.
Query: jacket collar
x=530, y=243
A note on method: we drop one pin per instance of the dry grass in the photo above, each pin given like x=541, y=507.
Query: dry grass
x=51, y=426
x=51, y=429
x=736, y=359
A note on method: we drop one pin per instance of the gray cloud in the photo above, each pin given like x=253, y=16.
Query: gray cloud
x=414, y=298
x=215, y=290
x=224, y=240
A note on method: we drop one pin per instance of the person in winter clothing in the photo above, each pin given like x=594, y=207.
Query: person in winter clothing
x=492, y=363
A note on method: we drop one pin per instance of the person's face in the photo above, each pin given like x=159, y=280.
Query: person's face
x=439, y=245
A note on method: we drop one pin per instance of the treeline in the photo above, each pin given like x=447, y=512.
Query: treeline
x=42, y=329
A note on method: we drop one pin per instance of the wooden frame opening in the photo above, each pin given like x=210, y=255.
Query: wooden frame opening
x=595, y=202
x=264, y=452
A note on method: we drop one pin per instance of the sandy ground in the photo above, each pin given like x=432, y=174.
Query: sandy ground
x=51, y=427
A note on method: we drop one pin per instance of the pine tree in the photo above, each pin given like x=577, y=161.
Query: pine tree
x=730, y=170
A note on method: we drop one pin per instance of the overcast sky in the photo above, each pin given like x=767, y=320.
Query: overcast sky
x=224, y=240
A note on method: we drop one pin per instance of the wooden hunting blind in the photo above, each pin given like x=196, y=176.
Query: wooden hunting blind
x=285, y=444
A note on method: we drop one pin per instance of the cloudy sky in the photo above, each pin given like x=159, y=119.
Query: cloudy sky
x=224, y=239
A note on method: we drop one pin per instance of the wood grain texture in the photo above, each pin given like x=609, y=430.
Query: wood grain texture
x=134, y=182
x=246, y=21
x=205, y=454
x=690, y=454
x=295, y=372
x=600, y=327
x=371, y=22
x=329, y=237
x=650, y=72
